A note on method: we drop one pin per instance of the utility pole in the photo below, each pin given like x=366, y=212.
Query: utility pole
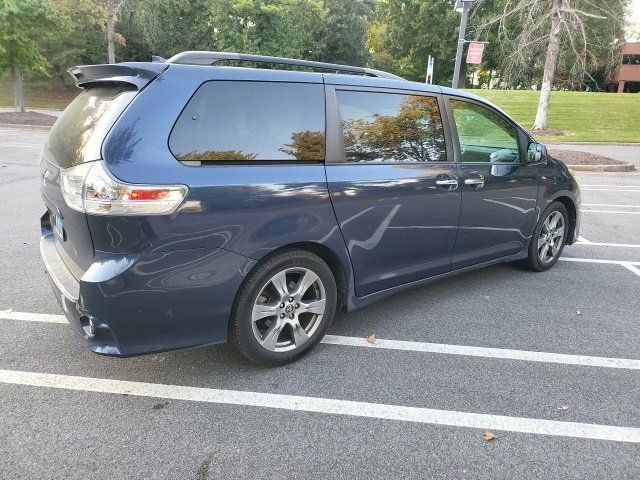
x=462, y=6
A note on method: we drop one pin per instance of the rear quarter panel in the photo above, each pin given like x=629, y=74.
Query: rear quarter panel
x=247, y=209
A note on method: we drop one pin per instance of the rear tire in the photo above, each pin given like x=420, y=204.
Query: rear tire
x=549, y=238
x=283, y=308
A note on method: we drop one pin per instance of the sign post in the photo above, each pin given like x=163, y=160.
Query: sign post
x=430, y=70
x=463, y=7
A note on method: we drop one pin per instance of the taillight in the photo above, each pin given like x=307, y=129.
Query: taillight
x=90, y=188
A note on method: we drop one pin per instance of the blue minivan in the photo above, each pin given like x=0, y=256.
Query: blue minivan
x=211, y=197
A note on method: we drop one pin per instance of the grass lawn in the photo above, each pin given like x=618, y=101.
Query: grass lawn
x=585, y=116
x=36, y=96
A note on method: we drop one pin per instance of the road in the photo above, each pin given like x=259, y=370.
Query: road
x=555, y=375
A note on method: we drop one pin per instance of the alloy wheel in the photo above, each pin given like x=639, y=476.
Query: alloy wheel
x=551, y=237
x=288, y=309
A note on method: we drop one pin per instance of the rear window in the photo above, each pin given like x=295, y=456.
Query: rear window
x=251, y=121
x=78, y=134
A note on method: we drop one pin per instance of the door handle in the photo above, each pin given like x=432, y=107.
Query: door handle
x=447, y=182
x=477, y=181
x=451, y=181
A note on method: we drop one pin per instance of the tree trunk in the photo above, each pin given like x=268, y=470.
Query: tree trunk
x=111, y=26
x=18, y=93
x=553, y=50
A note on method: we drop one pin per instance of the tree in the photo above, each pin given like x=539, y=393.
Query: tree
x=582, y=30
x=411, y=31
x=21, y=22
x=341, y=35
x=266, y=27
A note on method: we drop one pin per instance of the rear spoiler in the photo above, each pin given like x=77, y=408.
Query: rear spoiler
x=138, y=74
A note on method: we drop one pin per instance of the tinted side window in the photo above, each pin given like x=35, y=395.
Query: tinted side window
x=484, y=135
x=248, y=121
x=391, y=127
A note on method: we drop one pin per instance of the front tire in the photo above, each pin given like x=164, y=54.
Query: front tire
x=283, y=308
x=549, y=238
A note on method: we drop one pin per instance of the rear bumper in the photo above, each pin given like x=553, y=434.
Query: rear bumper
x=91, y=331
x=133, y=304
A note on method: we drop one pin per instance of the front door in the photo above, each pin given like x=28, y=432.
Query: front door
x=395, y=188
x=499, y=191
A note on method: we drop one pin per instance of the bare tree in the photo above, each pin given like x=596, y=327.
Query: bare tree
x=527, y=26
x=112, y=9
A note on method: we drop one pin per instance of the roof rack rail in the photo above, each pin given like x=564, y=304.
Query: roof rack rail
x=211, y=58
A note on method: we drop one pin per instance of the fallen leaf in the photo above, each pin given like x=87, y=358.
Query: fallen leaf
x=579, y=312
x=371, y=338
x=488, y=436
x=563, y=407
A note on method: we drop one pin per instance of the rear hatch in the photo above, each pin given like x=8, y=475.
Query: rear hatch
x=77, y=138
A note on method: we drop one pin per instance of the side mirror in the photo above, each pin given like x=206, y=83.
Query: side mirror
x=537, y=152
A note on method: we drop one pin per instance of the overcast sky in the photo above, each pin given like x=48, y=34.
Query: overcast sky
x=634, y=18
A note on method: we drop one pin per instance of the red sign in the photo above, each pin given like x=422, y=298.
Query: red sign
x=474, y=53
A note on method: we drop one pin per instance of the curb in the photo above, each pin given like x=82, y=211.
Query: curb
x=625, y=167
x=19, y=126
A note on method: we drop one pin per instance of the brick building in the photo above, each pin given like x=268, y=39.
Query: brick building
x=626, y=78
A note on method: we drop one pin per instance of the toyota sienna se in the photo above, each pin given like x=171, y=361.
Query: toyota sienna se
x=191, y=203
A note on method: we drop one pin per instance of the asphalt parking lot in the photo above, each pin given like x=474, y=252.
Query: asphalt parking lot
x=549, y=363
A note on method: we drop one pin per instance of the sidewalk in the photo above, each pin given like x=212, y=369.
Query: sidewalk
x=624, y=153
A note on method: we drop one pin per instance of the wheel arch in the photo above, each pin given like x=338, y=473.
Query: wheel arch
x=341, y=273
x=573, y=216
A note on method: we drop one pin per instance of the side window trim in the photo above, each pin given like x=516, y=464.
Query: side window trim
x=454, y=129
x=335, y=152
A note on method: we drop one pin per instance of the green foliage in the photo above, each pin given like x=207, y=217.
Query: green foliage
x=21, y=23
x=341, y=36
x=267, y=27
x=413, y=30
x=167, y=27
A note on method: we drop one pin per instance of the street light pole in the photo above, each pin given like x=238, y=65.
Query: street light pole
x=464, y=6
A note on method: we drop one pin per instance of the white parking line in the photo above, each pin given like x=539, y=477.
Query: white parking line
x=463, y=350
x=583, y=210
x=597, y=260
x=22, y=145
x=325, y=405
x=609, y=205
x=529, y=356
x=631, y=266
x=610, y=185
x=32, y=317
x=610, y=190
x=583, y=241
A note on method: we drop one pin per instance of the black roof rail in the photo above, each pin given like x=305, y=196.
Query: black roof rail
x=211, y=58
